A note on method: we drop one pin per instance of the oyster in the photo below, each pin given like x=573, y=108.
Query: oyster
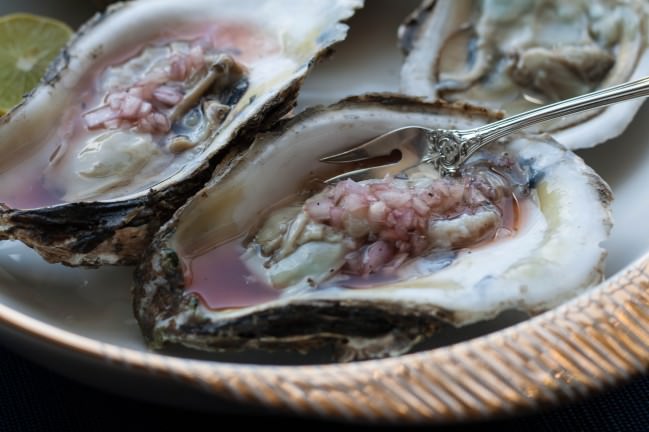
x=515, y=57
x=136, y=111
x=255, y=260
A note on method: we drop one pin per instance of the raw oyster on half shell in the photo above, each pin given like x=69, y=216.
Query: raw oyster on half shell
x=137, y=110
x=515, y=56
x=266, y=256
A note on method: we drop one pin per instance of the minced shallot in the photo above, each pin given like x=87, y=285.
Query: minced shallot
x=389, y=219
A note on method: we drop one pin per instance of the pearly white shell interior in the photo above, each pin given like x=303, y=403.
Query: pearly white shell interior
x=562, y=224
x=294, y=43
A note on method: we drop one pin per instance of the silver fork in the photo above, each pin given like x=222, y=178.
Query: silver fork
x=448, y=149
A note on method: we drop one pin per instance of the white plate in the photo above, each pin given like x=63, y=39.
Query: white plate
x=63, y=303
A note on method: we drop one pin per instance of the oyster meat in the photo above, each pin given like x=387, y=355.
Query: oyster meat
x=132, y=117
x=259, y=259
x=518, y=56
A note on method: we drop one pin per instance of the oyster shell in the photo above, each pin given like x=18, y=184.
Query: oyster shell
x=517, y=57
x=137, y=110
x=216, y=274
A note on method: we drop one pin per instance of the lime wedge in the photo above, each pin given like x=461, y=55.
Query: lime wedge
x=28, y=43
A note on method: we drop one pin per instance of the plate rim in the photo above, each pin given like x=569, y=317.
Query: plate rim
x=586, y=345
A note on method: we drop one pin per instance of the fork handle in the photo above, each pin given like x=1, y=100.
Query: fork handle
x=453, y=150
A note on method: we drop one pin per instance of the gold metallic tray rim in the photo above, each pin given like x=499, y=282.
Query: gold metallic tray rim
x=585, y=345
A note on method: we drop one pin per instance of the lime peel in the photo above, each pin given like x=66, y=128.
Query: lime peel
x=28, y=43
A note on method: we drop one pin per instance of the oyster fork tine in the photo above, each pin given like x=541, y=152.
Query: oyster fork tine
x=448, y=149
x=411, y=142
x=382, y=145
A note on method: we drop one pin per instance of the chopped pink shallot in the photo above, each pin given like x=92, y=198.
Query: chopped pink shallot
x=99, y=117
x=146, y=104
x=395, y=214
x=168, y=95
